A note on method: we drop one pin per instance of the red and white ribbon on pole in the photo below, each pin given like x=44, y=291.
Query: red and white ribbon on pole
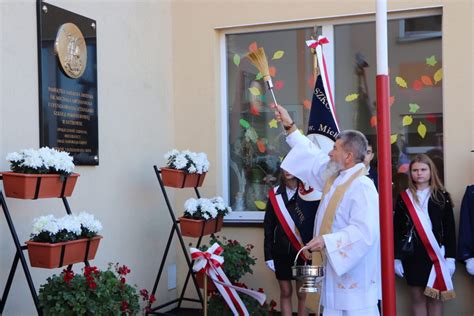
x=211, y=263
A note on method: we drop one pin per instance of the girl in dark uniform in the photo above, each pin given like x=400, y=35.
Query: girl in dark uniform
x=415, y=265
x=279, y=251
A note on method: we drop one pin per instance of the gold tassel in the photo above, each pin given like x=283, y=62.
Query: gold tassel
x=433, y=293
x=448, y=295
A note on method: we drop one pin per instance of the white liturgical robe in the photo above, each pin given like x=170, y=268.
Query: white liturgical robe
x=352, y=279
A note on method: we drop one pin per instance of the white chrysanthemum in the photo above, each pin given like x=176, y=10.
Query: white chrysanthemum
x=229, y=209
x=63, y=162
x=52, y=227
x=171, y=154
x=71, y=224
x=40, y=223
x=89, y=222
x=180, y=161
x=191, y=205
x=14, y=156
x=192, y=169
x=32, y=159
x=208, y=207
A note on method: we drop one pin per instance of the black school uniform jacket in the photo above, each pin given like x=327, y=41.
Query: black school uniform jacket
x=275, y=240
x=442, y=221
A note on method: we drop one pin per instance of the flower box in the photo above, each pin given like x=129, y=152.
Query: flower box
x=48, y=255
x=33, y=186
x=194, y=227
x=180, y=179
x=211, y=287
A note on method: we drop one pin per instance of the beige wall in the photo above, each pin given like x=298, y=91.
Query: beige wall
x=136, y=128
x=197, y=89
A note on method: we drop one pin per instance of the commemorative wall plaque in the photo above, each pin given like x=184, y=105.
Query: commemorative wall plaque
x=67, y=59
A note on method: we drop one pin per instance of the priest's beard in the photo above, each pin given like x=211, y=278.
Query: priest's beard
x=332, y=168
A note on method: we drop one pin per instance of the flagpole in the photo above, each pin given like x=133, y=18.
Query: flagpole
x=385, y=163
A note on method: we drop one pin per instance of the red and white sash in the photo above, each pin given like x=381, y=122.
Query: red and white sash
x=440, y=285
x=285, y=220
x=210, y=262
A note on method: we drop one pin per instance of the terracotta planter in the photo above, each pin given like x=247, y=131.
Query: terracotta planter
x=48, y=255
x=193, y=227
x=34, y=186
x=180, y=179
x=220, y=223
x=211, y=287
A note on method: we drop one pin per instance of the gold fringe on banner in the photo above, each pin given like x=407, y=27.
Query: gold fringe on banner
x=448, y=295
x=433, y=293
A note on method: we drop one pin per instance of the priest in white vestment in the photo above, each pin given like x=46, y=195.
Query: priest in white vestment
x=352, y=244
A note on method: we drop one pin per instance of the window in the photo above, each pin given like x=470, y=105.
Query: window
x=256, y=145
x=415, y=68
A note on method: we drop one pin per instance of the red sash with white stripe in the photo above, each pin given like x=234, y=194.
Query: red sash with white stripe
x=286, y=221
x=440, y=285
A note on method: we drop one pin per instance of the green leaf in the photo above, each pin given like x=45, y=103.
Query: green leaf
x=244, y=123
x=413, y=107
x=236, y=60
x=278, y=54
x=255, y=91
x=259, y=76
x=431, y=61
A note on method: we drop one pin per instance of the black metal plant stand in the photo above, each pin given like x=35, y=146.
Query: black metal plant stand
x=19, y=256
x=175, y=229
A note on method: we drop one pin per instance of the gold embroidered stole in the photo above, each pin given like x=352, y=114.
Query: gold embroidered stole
x=319, y=257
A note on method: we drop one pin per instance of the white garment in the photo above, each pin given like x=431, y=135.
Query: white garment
x=353, y=248
x=369, y=311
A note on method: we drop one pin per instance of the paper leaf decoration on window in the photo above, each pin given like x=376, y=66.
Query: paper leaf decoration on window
x=431, y=118
x=255, y=91
x=431, y=61
x=413, y=107
x=392, y=100
x=261, y=146
x=254, y=110
x=272, y=71
x=253, y=47
x=279, y=85
x=438, y=75
x=393, y=138
x=417, y=85
x=244, y=123
x=260, y=205
x=273, y=123
x=373, y=121
x=426, y=81
x=236, y=60
x=422, y=130
x=311, y=81
x=307, y=104
x=401, y=82
x=278, y=54
x=259, y=76
x=352, y=97
x=403, y=168
x=407, y=120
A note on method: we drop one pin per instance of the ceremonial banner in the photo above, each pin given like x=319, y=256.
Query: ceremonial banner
x=322, y=118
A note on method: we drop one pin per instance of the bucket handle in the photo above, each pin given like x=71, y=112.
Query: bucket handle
x=298, y=254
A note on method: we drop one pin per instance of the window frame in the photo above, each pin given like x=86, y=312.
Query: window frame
x=327, y=24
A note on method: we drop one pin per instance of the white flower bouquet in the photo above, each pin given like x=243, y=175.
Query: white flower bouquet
x=42, y=161
x=220, y=206
x=69, y=227
x=187, y=161
x=205, y=208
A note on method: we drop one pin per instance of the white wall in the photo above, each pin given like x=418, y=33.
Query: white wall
x=135, y=84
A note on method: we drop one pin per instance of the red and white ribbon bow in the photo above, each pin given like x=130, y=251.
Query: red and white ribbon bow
x=211, y=263
x=321, y=41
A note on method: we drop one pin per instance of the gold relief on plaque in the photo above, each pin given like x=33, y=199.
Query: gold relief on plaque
x=71, y=49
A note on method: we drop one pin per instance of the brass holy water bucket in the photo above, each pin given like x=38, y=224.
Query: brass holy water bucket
x=312, y=276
